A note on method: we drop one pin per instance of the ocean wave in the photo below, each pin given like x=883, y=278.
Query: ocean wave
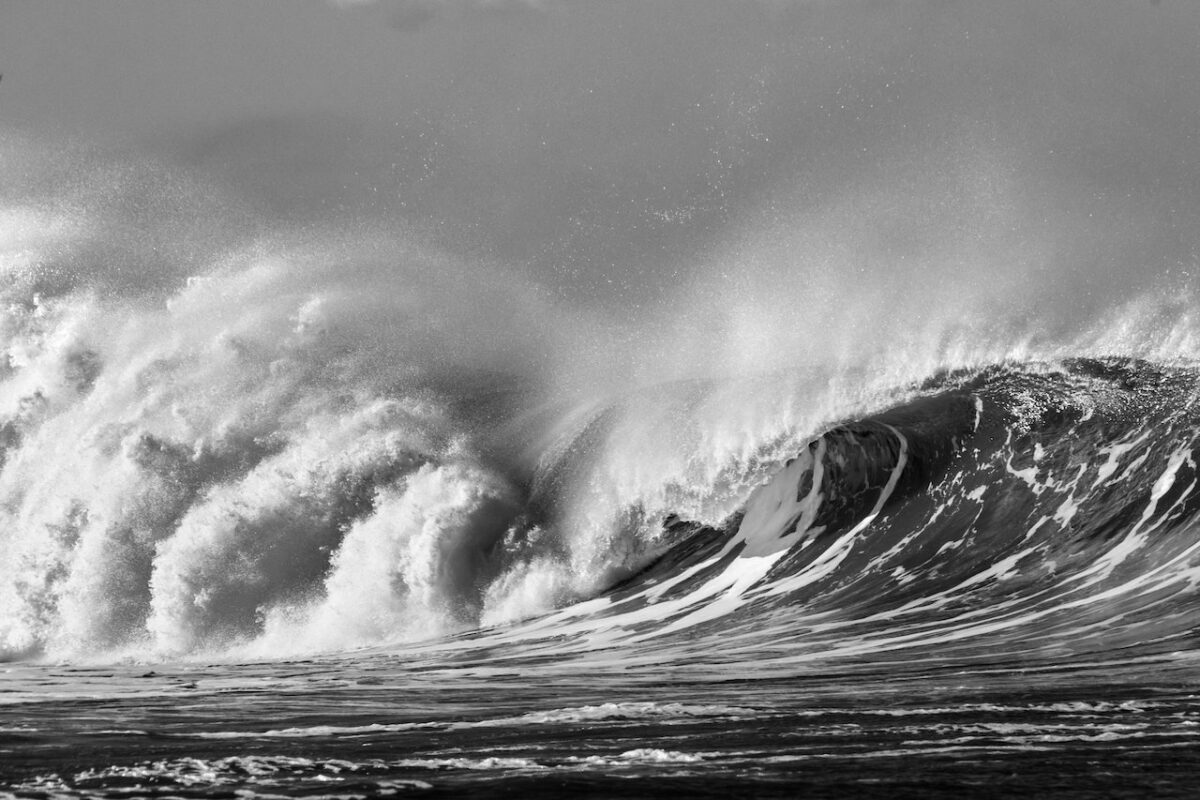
x=1040, y=502
x=301, y=443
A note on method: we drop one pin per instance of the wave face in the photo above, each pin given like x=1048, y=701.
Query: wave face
x=1048, y=513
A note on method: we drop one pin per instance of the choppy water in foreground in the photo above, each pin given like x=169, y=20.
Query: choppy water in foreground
x=372, y=726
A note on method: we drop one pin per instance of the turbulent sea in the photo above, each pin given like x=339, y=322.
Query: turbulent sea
x=985, y=584
x=335, y=511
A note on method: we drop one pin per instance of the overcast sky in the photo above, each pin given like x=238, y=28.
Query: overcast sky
x=604, y=143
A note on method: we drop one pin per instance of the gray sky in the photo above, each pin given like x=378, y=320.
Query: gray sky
x=607, y=146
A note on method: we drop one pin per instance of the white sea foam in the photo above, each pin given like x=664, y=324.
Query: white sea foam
x=641, y=755
x=489, y=763
x=578, y=715
x=627, y=710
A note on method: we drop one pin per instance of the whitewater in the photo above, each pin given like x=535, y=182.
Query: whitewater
x=889, y=487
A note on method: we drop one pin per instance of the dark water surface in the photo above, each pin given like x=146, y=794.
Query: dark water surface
x=373, y=726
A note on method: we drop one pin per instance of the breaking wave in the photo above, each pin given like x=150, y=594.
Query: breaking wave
x=310, y=440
